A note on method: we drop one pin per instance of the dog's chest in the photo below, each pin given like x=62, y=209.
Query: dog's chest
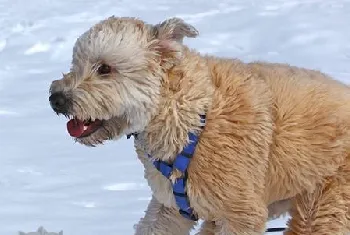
x=161, y=186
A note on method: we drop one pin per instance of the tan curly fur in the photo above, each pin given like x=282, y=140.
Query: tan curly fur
x=276, y=138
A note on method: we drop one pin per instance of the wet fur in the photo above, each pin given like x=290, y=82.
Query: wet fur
x=276, y=140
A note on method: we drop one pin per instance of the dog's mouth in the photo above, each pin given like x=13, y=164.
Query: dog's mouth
x=82, y=128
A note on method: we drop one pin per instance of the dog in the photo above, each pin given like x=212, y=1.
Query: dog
x=269, y=138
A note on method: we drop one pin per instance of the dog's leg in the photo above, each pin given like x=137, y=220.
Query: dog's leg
x=275, y=210
x=227, y=227
x=207, y=228
x=161, y=220
x=248, y=218
x=346, y=192
x=322, y=212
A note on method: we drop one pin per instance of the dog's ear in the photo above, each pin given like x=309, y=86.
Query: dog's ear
x=170, y=34
x=175, y=29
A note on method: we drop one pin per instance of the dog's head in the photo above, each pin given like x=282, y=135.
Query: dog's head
x=114, y=85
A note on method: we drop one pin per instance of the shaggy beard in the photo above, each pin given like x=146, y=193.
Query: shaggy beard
x=110, y=130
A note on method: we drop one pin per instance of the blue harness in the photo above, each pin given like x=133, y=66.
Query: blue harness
x=181, y=163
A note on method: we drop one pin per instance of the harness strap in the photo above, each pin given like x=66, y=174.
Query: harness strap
x=165, y=168
x=181, y=164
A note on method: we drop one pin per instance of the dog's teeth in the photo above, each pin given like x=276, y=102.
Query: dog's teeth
x=85, y=128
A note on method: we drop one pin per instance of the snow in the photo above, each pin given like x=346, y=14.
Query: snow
x=47, y=179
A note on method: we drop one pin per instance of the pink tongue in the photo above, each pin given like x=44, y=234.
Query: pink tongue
x=75, y=127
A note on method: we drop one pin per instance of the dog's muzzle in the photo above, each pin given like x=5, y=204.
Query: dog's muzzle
x=59, y=102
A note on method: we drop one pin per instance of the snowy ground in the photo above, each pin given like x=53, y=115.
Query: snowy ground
x=46, y=179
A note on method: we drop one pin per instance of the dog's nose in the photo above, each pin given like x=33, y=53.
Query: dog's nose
x=58, y=102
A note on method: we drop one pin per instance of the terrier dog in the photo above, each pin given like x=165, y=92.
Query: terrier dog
x=265, y=137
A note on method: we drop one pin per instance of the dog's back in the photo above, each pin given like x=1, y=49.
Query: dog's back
x=312, y=122
x=310, y=113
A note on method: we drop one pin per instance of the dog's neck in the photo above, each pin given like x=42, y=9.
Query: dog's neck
x=186, y=93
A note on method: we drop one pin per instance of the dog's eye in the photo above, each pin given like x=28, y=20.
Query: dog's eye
x=104, y=69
